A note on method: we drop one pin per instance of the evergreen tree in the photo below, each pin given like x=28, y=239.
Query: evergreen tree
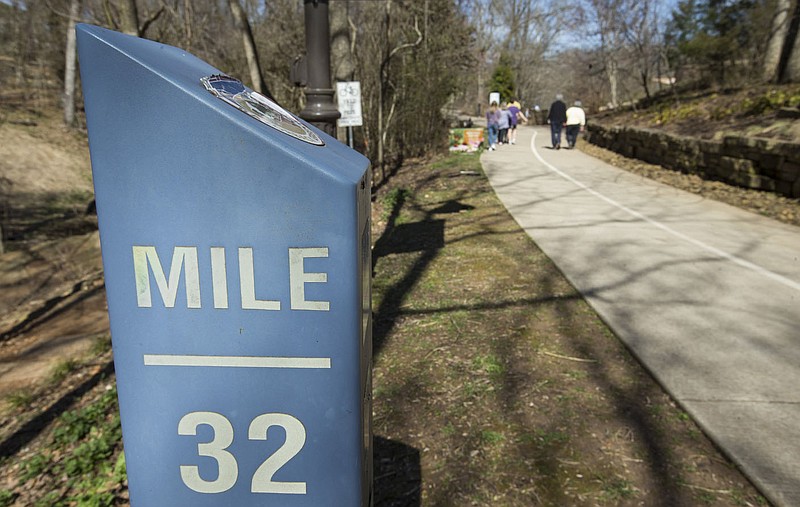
x=502, y=79
x=710, y=33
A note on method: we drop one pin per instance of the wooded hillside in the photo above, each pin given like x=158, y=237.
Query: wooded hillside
x=421, y=62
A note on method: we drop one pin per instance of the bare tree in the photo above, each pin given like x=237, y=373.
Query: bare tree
x=250, y=50
x=343, y=37
x=642, y=36
x=129, y=17
x=777, y=39
x=609, y=19
x=485, y=42
x=412, y=57
x=5, y=191
x=530, y=28
x=790, y=58
x=387, y=103
x=70, y=64
x=125, y=17
x=408, y=80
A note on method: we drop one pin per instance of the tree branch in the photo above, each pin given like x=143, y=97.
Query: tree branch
x=408, y=44
x=150, y=20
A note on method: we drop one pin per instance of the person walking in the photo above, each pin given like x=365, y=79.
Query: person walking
x=576, y=122
x=504, y=122
x=516, y=117
x=557, y=117
x=492, y=125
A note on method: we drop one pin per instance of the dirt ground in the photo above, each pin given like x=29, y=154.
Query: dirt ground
x=53, y=307
x=52, y=304
x=494, y=382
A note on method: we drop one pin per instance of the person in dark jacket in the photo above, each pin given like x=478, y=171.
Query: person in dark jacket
x=557, y=118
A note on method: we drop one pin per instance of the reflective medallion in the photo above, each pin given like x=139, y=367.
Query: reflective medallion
x=232, y=91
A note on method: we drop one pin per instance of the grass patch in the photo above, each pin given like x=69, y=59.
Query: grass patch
x=62, y=370
x=20, y=399
x=489, y=365
x=618, y=489
x=83, y=453
x=101, y=345
x=545, y=437
x=770, y=101
x=392, y=202
x=7, y=497
x=492, y=437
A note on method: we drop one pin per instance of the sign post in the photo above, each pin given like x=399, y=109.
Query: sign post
x=236, y=250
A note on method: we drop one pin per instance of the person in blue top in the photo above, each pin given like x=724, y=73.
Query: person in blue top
x=492, y=125
x=557, y=118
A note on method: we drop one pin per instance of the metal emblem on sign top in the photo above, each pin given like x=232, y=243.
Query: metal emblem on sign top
x=232, y=91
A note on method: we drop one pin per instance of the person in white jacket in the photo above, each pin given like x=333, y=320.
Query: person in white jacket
x=576, y=122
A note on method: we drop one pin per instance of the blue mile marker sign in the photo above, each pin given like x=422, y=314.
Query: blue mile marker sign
x=236, y=249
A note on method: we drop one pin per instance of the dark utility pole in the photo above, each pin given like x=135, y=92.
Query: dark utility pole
x=320, y=109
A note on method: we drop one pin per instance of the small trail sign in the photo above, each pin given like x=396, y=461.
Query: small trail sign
x=348, y=94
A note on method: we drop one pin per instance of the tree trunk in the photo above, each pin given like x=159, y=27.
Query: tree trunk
x=780, y=28
x=129, y=18
x=382, y=79
x=250, y=50
x=612, y=71
x=341, y=44
x=790, y=59
x=5, y=191
x=645, y=82
x=70, y=64
x=187, y=23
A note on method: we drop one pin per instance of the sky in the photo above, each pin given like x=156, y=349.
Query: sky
x=573, y=39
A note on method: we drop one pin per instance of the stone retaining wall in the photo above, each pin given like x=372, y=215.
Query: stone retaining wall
x=761, y=164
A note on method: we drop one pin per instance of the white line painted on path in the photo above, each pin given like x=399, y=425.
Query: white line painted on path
x=716, y=251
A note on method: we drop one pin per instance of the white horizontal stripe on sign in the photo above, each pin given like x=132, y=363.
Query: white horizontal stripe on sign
x=237, y=361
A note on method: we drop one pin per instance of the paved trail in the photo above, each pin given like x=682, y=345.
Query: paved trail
x=707, y=296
